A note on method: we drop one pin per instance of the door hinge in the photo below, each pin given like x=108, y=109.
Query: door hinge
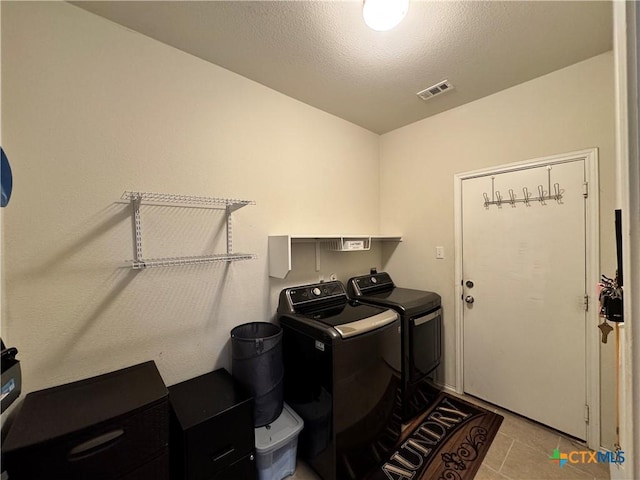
x=586, y=413
x=585, y=191
x=586, y=303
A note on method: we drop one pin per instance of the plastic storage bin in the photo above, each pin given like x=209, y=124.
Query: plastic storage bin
x=277, y=444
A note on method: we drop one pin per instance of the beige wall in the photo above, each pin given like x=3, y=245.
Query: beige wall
x=568, y=110
x=91, y=109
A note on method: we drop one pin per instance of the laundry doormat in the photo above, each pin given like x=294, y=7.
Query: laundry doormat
x=447, y=442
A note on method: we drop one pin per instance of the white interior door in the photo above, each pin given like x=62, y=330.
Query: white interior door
x=524, y=340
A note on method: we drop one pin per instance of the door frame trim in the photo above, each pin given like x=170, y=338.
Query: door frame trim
x=592, y=237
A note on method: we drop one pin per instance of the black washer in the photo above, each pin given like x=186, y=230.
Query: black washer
x=342, y=376
x=421, y=320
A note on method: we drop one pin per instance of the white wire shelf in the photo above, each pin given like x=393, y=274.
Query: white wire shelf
x=192, y=260
x=170, y=199
x=348, y=244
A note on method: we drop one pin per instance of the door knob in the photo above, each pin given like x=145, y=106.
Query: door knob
x=469, y=299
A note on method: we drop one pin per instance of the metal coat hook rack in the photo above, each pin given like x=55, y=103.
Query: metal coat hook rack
x=527, y=197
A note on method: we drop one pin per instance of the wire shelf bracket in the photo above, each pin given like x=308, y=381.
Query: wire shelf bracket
x=228, y=204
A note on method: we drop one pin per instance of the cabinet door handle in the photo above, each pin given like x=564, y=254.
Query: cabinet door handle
x=95, y=445
x=220, y=454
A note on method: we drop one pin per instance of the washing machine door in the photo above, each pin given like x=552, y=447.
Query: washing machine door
x=359, y=327
x=367, y=407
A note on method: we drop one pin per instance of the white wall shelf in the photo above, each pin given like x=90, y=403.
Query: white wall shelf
x=280, y=247
x=170, y=200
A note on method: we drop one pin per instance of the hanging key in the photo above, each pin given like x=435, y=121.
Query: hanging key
x=606, y=329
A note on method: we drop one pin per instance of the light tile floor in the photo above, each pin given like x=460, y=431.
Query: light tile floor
x=520, y=451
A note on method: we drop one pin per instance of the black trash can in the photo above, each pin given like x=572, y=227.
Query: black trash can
x=256, y=350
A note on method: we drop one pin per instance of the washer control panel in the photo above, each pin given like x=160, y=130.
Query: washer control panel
x=316, y=292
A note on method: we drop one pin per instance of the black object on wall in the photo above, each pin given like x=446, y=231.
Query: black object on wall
x=612, y=295
x=619, y=245
x=6, y=179
x=113, y=426
x=614, y=301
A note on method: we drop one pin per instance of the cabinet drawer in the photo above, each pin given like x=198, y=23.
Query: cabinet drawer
x=244, y=469
x=216, y=444
x=156, y=469
x=211, y=426
x=104, y=451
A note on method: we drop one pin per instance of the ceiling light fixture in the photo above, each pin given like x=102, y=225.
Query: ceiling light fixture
x=382, y=15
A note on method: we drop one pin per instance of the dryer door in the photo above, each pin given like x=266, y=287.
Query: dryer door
x=425, y=344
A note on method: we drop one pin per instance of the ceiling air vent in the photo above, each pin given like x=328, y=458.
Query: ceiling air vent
x=437, y=89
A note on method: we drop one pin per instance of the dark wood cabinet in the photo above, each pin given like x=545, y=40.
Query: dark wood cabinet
x=113, y=426
x=212, y=431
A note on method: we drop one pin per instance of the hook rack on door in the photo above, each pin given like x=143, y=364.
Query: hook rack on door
x=527, y=197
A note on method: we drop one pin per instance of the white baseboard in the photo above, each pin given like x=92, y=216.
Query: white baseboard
x=617, y=472
x=447, y=388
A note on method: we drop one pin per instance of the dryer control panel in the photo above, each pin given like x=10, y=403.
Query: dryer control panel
x=372, y=282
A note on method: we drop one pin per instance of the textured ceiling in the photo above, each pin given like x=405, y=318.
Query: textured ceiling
x=321, y=53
